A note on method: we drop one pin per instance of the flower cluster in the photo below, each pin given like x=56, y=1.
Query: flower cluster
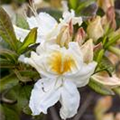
x=62, y=60
x=45, y=60
x=67, y=59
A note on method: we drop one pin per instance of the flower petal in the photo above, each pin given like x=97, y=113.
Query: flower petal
x=67, y=16
x=39, y=63
x=43, y=96
x=70, y=100
x=87, y=50
x=44, y=22
x=81, y=78
x=20, y=33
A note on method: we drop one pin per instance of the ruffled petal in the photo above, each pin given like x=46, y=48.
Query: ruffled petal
x=81, y=78
x=39, y=63
x=70, y=100
x=43, y=96
x=44, y=22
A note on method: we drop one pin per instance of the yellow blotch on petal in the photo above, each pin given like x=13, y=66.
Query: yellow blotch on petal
x=61, y=63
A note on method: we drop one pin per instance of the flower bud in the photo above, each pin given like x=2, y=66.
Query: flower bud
x=64, y=36
x=87, y=50
x=105, y=4
x=80, y=36
x=104, y=79
x=95, y=29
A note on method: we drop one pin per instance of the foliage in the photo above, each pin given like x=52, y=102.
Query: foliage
x=17, y=78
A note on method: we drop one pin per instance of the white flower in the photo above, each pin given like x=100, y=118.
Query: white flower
x=67, y=16
x=44, y=22
x=48, y=27
x=62, y=70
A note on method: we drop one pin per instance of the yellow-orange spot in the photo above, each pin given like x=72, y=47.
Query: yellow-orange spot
x=61, y=63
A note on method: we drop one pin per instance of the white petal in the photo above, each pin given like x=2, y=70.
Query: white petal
x=43, y=96
x=33, y=22
x=76, y=20
x=38, y=63
x=75, y=51
x=67, y=16
x=44, y=22
x=81, y=78
x=22, y=58
x=20, y=33
x=64, y=5
x=70, y=100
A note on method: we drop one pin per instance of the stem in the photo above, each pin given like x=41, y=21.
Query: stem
x=84, y=106
x=114, y=50
x=54, y=114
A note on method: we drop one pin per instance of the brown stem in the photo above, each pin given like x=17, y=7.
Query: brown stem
x=84, y=106
x=54, y=114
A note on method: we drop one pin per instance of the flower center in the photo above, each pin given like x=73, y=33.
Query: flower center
x=61, y=63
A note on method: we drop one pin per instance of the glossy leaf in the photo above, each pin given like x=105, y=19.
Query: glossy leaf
x=99, y=56
x=73, y=3
x=6, y=29
x=30, y=39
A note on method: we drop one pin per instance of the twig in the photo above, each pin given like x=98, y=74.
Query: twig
x=54, y=114
x=84, y=106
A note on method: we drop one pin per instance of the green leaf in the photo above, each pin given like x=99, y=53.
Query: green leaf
x=2, y=116
x=4, y=44
x=100, y=56
x=30, y=73
x=99, y=88
x=8, y=82
x=112, y=40
x=89, y=10
x=21, y=22
x=107, y=65
x=30, y=39
x=20, y=77
x=73, y=3
x=10, y=114
x=4, y=63
x=117, y=90
x=8, y=54
x=6, y=29
x=84, y=4
x=114, y=50
x=23, y=98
